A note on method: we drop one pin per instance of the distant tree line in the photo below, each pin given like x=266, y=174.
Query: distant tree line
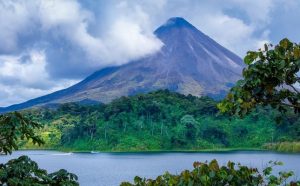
x=160, y=120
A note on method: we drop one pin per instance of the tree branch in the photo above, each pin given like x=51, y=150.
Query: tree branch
x=289, y=105
x=294, y=88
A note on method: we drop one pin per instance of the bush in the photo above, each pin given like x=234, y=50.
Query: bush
x=25, y=172
x=212, y=174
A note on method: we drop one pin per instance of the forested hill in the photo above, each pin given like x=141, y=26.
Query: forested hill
x=160, y=120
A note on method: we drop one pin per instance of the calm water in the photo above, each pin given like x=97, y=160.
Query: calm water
x=109, y=169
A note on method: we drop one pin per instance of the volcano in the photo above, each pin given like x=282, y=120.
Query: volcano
x=189, y=62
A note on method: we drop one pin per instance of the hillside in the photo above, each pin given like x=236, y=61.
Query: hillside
x=189, y=63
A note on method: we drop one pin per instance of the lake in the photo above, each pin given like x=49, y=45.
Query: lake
x=109, y=169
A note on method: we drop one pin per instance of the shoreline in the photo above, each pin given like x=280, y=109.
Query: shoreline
x=145, y=151
x=223, y=150
x=279, y=147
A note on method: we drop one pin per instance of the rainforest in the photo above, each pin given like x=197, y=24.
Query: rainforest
x=162, y=121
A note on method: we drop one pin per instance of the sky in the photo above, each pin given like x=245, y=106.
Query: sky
x=48, y=45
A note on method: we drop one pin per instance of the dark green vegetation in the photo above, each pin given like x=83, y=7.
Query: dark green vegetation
x=160, y=120
x=207, y=174
x=23, y=171
x=271, y=78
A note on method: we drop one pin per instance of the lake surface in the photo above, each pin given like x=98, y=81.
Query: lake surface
x=109, y=169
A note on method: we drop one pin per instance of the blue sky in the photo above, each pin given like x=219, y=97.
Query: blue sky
x=50, y=45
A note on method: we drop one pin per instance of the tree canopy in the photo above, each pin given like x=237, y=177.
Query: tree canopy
x=271, y=77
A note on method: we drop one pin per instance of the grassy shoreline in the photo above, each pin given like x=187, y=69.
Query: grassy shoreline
x=152, y=151
x=292, y=147
x=281, y=147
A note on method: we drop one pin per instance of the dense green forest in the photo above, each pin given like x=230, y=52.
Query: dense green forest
x=159, y=120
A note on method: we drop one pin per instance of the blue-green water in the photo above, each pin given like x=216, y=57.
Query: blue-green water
x=109, y=169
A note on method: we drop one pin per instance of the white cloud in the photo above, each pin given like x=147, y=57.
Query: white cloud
x=129, y=34
x=12, y=94
x=124, y=43
x=258, y=11
x=69, y=20
x=24, y=77
x=29, y=71
x=14, y=19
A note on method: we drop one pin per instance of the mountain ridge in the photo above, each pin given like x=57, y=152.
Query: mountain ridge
x=189, y=62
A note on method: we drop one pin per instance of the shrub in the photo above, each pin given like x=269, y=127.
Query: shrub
x=206, y=174
x=25, y=172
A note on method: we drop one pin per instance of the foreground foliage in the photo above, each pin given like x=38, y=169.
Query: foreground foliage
x=270, y=78
x=207, y=174
x=23, y=171
x=14, y=126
